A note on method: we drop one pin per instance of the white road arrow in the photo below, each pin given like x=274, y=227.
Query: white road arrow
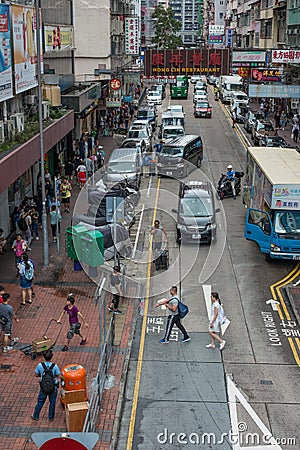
x=273, y=303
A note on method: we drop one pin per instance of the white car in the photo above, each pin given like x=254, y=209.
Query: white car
x=239, y=97
x=175, y=108
x=154, y=98
x=200, y=97
x=144, y=123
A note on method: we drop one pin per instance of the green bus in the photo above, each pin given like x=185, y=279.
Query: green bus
x=180, y=88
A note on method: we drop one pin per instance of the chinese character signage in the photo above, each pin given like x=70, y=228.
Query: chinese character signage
x=115, y=84
x=132, y=35
x=267, y=74
x=252, y=56
x=5, y=54
x=216, y=29
x=285, y=197
x=215, y=39
x=58, y=37
x=244, y=72
x=286, y=56
x=229, y=37
x=25, y=52
x=186, y=62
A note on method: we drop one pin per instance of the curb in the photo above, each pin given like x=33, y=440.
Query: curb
x=290, y=295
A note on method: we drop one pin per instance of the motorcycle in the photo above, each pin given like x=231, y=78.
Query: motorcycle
x=216, y=96
x=224, y=188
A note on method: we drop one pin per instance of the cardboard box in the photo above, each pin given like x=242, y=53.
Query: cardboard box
x=41, y=344
x=78, y=396
x=75, y=416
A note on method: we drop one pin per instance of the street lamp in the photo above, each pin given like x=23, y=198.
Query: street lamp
x=40, y=99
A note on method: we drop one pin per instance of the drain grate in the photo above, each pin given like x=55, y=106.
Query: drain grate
x=266, y=382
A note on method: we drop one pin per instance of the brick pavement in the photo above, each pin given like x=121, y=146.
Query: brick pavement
x=19, y=388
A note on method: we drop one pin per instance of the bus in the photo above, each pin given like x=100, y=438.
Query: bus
x=180, y=88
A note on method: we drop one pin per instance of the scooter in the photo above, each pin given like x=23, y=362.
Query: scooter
x=224, y=188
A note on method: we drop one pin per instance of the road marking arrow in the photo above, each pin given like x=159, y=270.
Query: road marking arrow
x=273, y=303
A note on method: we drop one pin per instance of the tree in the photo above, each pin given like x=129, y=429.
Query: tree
x=166, y=28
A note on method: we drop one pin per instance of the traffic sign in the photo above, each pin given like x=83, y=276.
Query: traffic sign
x=115, y=84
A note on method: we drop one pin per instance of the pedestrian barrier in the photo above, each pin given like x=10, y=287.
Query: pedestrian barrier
x=106, y=349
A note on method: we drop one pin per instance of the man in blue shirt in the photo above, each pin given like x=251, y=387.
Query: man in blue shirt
x=231, y=177
x=42, y=395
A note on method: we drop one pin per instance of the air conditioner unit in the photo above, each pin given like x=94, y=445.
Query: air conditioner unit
x=19, y=119
x=30, y=99
x=10, y=129
x=2, y=132
x=45, y=106
x=295, y=104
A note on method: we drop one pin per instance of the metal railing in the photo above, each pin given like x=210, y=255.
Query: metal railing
x=106, y=340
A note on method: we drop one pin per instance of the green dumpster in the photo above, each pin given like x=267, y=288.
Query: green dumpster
x=92, y=248
x=73, y=241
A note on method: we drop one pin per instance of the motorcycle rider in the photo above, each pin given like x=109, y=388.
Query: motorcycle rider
x=216, y=93
x=231, y=177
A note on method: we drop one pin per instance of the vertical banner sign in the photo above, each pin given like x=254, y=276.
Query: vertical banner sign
x=132, y=36
x=5, y=54
x=229, y=36
x=24, y=39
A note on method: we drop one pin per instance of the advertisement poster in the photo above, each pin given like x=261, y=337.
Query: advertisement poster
x=5, y=54
x=25, y=50
x=58, y=37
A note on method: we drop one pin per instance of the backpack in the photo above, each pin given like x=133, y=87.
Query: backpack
x=182, y=309
x=221, y=316
x=29, y=273
x=22, y=224
x=47, y=383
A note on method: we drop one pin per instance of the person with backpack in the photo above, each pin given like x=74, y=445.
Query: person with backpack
x=73, y=313
x=48, y=374
x=172, y=304
x=26, y=270
x=19, y=246
x=216, y=318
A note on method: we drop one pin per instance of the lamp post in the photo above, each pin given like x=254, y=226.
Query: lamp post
x=39, y=76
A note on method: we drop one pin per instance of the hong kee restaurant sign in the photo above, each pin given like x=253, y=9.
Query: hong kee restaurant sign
x=181, y=62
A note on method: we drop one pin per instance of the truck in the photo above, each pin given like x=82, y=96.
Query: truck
x=272, y=196
x=229, y=84
x=171, y=118
x=180, y=88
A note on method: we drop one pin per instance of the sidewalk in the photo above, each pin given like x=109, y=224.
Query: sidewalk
x=52, y=284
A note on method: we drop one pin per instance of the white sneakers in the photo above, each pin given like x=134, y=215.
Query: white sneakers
x=210, y=346
x=222, y=345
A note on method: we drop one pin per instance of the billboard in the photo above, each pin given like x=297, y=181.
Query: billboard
x=186, y=62
x=5, y=54
x=274, y=90
x=58, y=38
x=248, y=56
x=132, y=35
x=25, y=52
x=262, y=75
x=286, y=56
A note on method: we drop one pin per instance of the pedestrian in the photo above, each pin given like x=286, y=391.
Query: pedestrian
x=19, y=246
x=65, y=191
x=35, y=223
x=2, y=241
x=48, y=385
x=26, y=232
x=6, y=315
x=283, y=120
x=214, y=326
x=69, y=170
x=234, y=117
x=26, y=270
x=81, y=174
x=73, y=313
x=2, y=291
x=157, y=232
x=173, y=319
x=55, y=218
x=115, y=289
x=295, y=132
x=277, y=118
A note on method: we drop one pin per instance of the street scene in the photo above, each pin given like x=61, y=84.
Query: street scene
x=149, y=228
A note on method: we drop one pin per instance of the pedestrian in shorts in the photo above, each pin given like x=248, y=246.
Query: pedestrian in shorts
x=214, y=326
x=73, y=313
x=115, y=289
x=6, y=315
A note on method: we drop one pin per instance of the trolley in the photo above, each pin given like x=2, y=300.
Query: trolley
x=39, y=346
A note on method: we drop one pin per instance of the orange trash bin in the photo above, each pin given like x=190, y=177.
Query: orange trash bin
x=73, y=378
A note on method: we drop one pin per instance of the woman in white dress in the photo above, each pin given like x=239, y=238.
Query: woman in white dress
x=214, y=326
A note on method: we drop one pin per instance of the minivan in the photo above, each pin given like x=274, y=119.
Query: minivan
x=148, y=113
x=123, y=163
x=177, y=156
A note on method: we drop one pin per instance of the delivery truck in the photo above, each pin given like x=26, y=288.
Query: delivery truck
x=228, y=85
x=272, y=196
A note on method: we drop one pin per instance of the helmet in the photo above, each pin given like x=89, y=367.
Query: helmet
x=229, y=167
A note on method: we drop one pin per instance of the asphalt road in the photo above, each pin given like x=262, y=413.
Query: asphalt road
x=186, y=388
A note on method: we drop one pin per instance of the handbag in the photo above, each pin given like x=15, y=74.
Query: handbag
x=3, y=320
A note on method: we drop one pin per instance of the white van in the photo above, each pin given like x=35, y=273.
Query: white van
x=229, y=84
x=154, y=98
x=239, y=98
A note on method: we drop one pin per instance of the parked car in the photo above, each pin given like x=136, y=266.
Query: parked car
x=202, y=109
x=251, y=118
x=239, y=97
x=274, y=141
x=261, y=129
x=141, y=134
x=154, y=98
x=241, y=111
x=196, y=213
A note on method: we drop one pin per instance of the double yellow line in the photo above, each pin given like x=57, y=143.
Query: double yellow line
x=282, y=308
x=143, y=335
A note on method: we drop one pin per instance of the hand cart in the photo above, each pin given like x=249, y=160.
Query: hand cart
x=40, y=345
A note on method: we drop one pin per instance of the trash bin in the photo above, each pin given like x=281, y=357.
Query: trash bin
x=77, y=266
x=73, y=378
x=92, y=248
x=73, y=235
